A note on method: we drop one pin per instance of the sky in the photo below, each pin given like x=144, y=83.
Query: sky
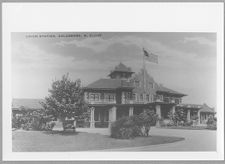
x=187, y=61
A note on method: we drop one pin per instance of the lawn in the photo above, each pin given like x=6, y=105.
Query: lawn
x=187, y=127
x=38, y=141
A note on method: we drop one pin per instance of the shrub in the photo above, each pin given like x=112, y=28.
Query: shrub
x=125, y=127
x=35, y=120
x=171, y=123
x=83, y=124
x=194, y=117
x=19, y=121
x=211, y=123
x=49, y=126
x=178, y=118
x=133, y=126
x=36, y=123
x=68, y=124
x=26, y=126
x=210, y=120
x=212, y=126
x=16, y=122
x=188, y=123
x=162, y=123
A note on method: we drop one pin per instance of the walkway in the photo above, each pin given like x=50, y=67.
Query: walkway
x=195, y=140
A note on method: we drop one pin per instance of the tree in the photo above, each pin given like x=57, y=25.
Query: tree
x=180, y=116
x=66, y=99
x=148, y=118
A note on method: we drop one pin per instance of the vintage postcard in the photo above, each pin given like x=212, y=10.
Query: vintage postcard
x=94, y=89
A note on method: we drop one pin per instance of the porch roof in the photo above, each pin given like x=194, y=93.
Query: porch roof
x=203, y=108
x=109, y=84
x=162, y=89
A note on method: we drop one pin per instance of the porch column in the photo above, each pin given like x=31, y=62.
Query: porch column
x=92, y=123
x=158, y=112
x=75, y=123
x=188, y=115
x=86, y=96
x=199, y=117
x=131, y=111
x=123, y=97
x=112, y=115
x=173, y=109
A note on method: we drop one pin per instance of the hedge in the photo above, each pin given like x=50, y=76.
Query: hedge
x=133, y=126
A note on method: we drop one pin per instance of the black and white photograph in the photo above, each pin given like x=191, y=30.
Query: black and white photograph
x=113, y=91
x=139, y=81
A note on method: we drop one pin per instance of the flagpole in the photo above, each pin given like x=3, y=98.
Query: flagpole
x=143, y=72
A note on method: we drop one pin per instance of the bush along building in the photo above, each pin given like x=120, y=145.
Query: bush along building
x=126, y=93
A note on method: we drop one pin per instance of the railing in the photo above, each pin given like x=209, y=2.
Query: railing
x=165, y=100
x=135, y=102
x=128, y=101
x=101, y=101
x=169, y=100
x=127, y=84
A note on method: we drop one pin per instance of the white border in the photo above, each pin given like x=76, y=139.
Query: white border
x=121, y=17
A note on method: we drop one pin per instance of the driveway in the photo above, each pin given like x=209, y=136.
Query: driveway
x=195, y=140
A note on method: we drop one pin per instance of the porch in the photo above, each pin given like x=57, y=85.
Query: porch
x=101, y=116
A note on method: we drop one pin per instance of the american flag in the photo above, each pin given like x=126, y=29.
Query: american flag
x=150, y=57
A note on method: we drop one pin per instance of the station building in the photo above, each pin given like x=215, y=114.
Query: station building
x=125, y=93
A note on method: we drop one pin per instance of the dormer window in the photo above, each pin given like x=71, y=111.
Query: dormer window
x=151, y=85
x=128, y=96
x=134, y=96
x=141, y=97
x=147, y=97
x=109, y=97
x=94, y=96
x=137, y=83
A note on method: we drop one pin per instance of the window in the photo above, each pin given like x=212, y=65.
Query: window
x=151, y=85
x=109, y=97
x=147, y=97
x=94, y=96
x=166, y=99
x=134, y=96
x=127, y=95
x=137, y=83
x=152, y=98
x=158, y=97
x=141, y=97
x=177, y=101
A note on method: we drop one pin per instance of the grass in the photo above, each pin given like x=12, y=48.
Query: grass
x=186, y=127
x=37, y=141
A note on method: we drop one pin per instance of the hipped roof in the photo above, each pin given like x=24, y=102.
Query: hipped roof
x=121, y=68
x=27, y=103
x=169, y=91
x=203, y=108
x=109, y=84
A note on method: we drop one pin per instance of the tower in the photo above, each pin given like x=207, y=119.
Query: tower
x=121, y=72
